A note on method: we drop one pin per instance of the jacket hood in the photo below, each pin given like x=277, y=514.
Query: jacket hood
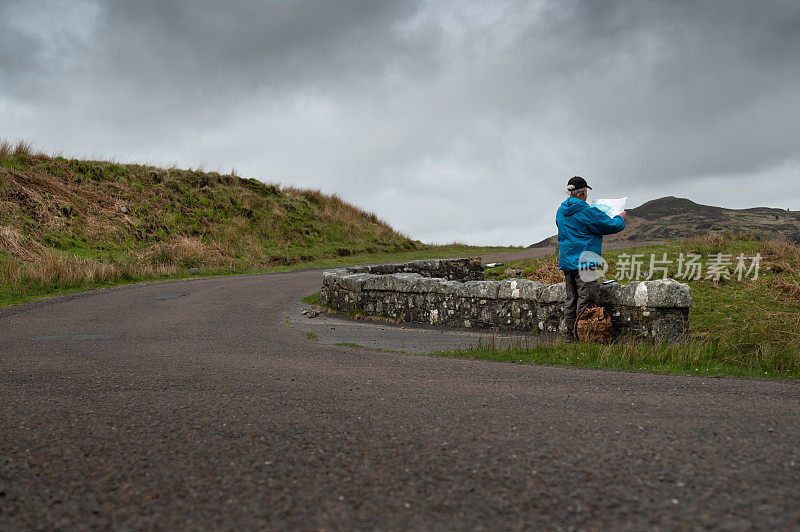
x=573, y=205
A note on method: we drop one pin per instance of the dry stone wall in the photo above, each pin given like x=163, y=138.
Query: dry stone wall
x=452, y=293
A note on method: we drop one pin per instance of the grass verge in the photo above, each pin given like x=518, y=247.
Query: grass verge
x=14, y=292
x=705, y=359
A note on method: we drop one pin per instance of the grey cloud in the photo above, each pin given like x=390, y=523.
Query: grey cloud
x=251, y=44
x=429, y=112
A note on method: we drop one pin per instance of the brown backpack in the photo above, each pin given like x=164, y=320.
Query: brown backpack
x=594, y=325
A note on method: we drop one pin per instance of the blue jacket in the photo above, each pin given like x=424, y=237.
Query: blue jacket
x=581, y=228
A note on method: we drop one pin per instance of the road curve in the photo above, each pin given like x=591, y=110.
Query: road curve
x=193, y=404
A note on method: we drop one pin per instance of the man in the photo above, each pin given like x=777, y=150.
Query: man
x=580, y=242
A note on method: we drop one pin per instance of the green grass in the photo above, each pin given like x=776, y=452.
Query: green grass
x=348, y=344
x=311, y=336
x=705, y=359
x=313, y=299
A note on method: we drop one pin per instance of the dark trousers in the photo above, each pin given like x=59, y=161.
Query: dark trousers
x=580, y=295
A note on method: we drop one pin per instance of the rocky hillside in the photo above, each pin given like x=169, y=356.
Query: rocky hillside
x=671, y=218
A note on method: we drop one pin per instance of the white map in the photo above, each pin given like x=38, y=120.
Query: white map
x=611, y=207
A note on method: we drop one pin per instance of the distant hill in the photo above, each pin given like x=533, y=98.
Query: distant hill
x=671, y=218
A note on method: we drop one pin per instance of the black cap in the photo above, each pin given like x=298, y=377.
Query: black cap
x=577, y=183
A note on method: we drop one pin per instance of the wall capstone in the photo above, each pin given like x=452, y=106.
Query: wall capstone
x=452, y=292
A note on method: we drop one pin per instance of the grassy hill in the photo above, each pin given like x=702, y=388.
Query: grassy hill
x=69, y=224
x=671, y=218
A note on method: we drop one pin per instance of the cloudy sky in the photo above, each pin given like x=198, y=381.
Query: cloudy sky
x=451, y=120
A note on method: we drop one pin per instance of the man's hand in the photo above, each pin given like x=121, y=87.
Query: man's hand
x=624, y=216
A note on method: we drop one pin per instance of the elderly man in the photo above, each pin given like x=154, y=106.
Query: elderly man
x=580, y=242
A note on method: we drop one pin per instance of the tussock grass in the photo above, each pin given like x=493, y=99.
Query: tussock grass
x=9, y=149
x=186, y=252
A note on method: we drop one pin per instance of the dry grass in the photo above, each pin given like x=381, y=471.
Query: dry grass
x=186, y=252
x=51, y=201
x=789, y=285
x=10, y=149
x=18, y=245
x=787, y=273
x=782, y=258
x=544, y=270
x=51, y=268
x=710, y=240
x=778, y=249
x=716, y=241
x=48, y=267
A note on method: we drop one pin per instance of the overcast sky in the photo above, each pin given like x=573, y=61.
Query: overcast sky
x=450, y=120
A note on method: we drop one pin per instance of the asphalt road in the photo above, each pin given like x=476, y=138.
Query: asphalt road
x=194, y=404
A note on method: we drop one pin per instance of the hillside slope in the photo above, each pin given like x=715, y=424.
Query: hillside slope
x=671, y=218
x=62, y=220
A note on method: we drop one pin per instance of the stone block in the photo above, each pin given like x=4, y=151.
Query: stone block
x=433, y=285
x=329, y=276
x=520, y=289
x=384, y=269
x=626, y=294
x=553, y=293
x=609, y=294
x=660, y=293
x=442, y=286
x=478, y=289
x=354, y=282
x=667, y=293
x=529, y=290
x=395, y=282
x=423, y=265
x=508, y=289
